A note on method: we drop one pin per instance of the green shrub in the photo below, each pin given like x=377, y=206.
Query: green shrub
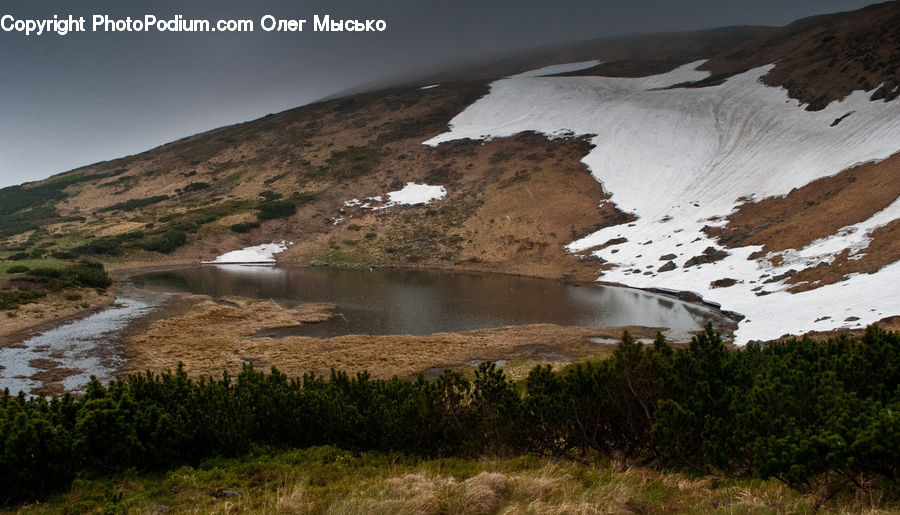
x=196, y=186
x=17, y=269
x=348, y=163
x=802, y=411
x=166, y=242
x=273, y=209
x=131, y=205
x=244, y=227
x=269, y=195
x=88, y=274
x=104, y=245
x=11, y=299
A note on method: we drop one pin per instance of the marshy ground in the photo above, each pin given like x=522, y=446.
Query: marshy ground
x=211, y=335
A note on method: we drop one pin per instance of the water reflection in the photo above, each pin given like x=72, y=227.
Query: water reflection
x=426, y=302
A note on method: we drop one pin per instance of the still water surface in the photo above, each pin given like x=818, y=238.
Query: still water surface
x=424, y=302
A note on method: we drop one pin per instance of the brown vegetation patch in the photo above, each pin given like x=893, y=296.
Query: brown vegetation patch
x=212, y=337
x=512, y=203
x=891, y=323
x=814, y=211
x=43, y=363
x=49, y=390
x=825, y=58
x=54, y=375
x=709, y=255
x=883, y=250
x=818, y=59
x=723, y=283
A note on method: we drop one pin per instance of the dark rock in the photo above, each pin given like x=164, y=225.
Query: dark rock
x=614, y=241
x=668, y=267
x=780, y=277
x=667, y=257
x=710, y=255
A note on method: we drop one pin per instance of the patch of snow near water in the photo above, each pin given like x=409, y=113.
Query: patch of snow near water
x=264, y=253
x=681, y=158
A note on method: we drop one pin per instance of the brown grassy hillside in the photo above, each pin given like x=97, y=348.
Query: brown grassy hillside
x=511, y=203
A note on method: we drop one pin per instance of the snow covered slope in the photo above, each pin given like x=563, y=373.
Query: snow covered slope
x=681, y=158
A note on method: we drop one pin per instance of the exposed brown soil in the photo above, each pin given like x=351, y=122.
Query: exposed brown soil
x=884, y=249
x=512, y=205
x=814, y=211
x=825, y=58
x=43, y=363
x=818, y=210
x=49, y=390
x=212, y=337
x=818, y=59
x=54, y=375
x=888, y=324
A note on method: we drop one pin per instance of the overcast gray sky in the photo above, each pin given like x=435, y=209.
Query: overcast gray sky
x=68, y=101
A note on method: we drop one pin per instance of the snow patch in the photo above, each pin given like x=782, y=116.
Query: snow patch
x=558, y=68
x=681, y=158
x=259, y=254
x=413, y=194
x=429, y=87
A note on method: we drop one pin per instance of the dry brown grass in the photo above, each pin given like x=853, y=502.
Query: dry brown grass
x=818, y=210
x=331, y=481
x=211, y=337
x=814, y=211
x=512, y=203
x=883, y=250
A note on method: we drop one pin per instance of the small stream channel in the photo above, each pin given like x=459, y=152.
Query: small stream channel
x=66, y=356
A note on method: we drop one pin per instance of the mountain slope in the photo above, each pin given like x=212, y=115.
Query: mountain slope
x=678, y=163
x=681, y=159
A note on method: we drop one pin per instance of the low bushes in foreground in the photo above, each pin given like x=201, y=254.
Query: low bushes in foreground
x=812, y=414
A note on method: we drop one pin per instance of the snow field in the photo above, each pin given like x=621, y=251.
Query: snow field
x=681, y=158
